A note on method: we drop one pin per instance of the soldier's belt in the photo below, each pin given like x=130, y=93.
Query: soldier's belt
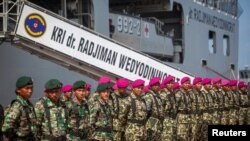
x=53, y=138
x=139, y=122
x=79, y=133
x=197, y=112
x=184, y=111
x=208, y=111
x=244, y=106
x=104, y=129
x=157, y=117
x=226, y=109
x=29, y=137
x=172, y=116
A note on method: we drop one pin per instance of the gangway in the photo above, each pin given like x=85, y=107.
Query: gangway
x=57, y=39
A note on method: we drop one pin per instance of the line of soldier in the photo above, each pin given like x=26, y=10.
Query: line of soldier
x=160, y=111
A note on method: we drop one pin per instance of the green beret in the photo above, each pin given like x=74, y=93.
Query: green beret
x=79, y=84
x=23, y=81
x=53, y=84
x=102, y=87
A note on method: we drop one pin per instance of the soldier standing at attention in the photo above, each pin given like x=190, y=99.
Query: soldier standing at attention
x=170, y=110
x=20, y=120
x=234, y=103
x=116, y=99
x=100, y=115
x=226, y=102
x=154, y=125
x=208, y=111
x=78, y=120
x=134, y=113
x=167, y=89
x=65, y=100
x=184, y=109
x=93, y=97
x=217, y=101
x=50, y=115
x=197, y=109
x=244, y=103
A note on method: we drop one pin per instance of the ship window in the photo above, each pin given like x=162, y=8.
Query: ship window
x=226, y=49
x=212, y=42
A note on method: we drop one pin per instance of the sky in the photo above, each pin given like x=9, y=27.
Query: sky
x=244, y=35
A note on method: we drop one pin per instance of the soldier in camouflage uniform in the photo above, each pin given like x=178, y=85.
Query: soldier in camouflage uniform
x=226, y=102
x=134, y=113
x=198, y=107
x=93, y=97
x=244, y=103
x=170, y=110
x=154, y=125
x=78, y=120
x=65, y=100
x=234, y=103
x=208, y=107
x=52, y=119
x=20, y=119
x=184, y=109
x=218, y=105
x=100, y=115
x=116, y=100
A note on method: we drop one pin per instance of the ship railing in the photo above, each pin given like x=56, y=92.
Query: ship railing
x=227, y=7
x=9, y=12
x=158, y=24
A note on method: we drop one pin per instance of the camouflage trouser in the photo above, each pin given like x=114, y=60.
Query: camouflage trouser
x=102, y=136
x=233, y=117
x=118, y=136
x=207, y=120
x=169, y=130
x=74, y=138
x=135, y=132
x=153, y=135
x=248, y=116
x=243, y=116
x=183, y=127
x=216, y=117
x=183, y=132
x=225, y=117
x=153, y=129
x=196, y=123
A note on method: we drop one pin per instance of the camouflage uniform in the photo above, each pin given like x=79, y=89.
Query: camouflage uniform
x=164, y=94
x=93, y=97
x=20, y=120
x=101, y=120
x=207, y=115
x=52, y=120
x=117, y=102
x=64, y=102
x=183, y=115
x=198, y=107
x=244, y=108
x=217, y=105
x=170, y=112
x=134, y=115
x=154, y=123
x=233, y=113
x=226, y=106
x=78, y=121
